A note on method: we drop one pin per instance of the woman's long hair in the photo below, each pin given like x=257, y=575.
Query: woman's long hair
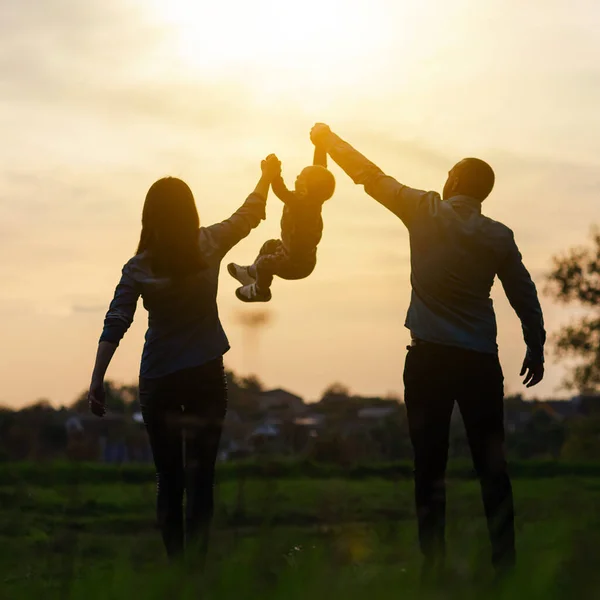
x=170, y=225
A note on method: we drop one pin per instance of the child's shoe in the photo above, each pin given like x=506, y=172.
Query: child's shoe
x=252, y=293
x=242, y=274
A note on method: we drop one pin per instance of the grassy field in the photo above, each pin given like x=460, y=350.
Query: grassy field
x=88, y=532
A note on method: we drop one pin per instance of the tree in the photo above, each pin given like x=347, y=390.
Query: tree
x=53, y=437
x=583, y=439
x=251, y=384
x=43, y=405
x=243, y=395
x=575, y=279
x=7, y=419
x=336, y=391
x=393, y=438
x=543, y=435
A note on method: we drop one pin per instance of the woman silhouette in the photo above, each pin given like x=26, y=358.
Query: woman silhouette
x=183, y=391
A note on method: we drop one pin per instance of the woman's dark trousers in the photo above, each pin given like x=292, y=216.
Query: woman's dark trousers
x=184, y=413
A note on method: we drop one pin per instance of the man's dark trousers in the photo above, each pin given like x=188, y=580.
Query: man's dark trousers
x=435, y=376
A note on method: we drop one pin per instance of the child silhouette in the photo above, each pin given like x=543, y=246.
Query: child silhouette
x=294, y=256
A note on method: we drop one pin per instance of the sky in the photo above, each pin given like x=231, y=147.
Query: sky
x=98, y=99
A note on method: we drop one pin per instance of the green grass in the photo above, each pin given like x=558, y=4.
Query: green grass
x=70, y=472
x=292, y=537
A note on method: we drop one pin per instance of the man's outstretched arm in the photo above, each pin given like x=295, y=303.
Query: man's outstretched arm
x=522, y=295
x=396, y=197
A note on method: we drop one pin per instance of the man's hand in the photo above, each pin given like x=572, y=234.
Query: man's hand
x=97, y=398
x=533, y=372
x=271, y=167
x=318, y=132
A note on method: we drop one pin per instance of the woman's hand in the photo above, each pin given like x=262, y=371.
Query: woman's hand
x=270, y=170
x=97, y=395
x=271, y=167
x=97, y=398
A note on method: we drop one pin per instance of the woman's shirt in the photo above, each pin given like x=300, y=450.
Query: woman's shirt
x=184, y=329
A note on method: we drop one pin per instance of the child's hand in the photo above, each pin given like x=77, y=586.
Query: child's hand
x=318, y=132
x=271, y=167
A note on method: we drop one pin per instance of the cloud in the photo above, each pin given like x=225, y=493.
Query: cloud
x=50, y=46
x=414, y=151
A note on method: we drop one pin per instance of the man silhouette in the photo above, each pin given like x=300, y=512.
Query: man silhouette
x=456, y=253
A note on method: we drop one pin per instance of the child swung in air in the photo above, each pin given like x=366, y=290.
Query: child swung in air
x=294, y=256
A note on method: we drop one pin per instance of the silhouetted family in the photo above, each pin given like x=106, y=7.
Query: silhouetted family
x=456, y=254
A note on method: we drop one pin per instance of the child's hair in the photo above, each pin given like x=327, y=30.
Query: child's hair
x=320, y=182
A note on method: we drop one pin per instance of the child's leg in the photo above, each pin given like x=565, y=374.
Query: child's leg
x=264, y=274
x=282, y=265
x=248, y=275
x=261, y=272
x=266, y=264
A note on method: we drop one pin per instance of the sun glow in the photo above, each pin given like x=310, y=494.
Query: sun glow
x=309, y=42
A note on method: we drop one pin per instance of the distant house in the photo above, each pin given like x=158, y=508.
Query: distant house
x=73, y=424
x=115, y=438
x=232, y=449
x=377, y=413
x=234, y=439
x=267, y=436
x=268, y=430
x=312, y=420
x=519, y=414
x=281, y=401
x=306, y=429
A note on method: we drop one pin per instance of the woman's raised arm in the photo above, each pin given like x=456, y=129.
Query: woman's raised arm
x=228, y=233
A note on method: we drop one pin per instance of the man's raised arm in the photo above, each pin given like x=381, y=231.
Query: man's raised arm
x=396, y=197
